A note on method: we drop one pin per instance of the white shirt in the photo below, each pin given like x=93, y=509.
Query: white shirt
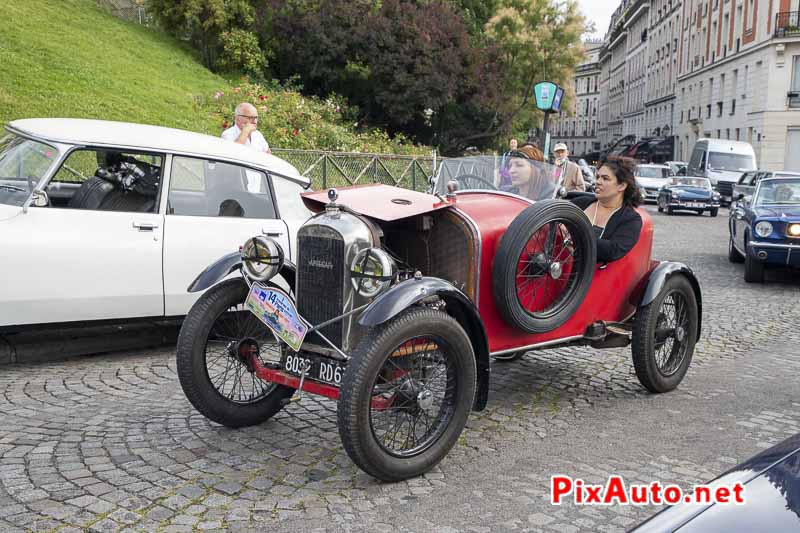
x=256, y=140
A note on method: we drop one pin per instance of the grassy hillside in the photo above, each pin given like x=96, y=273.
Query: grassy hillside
x=68, y=58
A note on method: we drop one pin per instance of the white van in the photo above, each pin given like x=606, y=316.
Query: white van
x=723, y=162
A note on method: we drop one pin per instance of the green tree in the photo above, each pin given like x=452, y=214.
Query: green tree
x=214, y=27
x=537, y=40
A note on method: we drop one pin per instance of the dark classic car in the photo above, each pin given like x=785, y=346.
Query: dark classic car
x=765, y=229
x=688, y=194
x=747, y=183
x=771, y=482
x=400, y=299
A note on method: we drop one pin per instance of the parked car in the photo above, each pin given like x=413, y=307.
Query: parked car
x=112, y=221
x=766, y=229
x=723, y=162
x=771, y=481
x=688, y=194
x=746, y=185
x=651, y=178
x=401, y=298
x=678, y=167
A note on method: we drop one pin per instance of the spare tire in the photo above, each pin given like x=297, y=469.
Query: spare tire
x=544, y=266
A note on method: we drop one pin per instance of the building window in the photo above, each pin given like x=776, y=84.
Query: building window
x=794, y=101
x=733, y=106
x=728, y=134
x=737, y=134
x=708, y=111
x=719, y=134
x=719, y=109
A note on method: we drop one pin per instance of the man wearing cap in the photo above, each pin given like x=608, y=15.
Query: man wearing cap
x=566, y=170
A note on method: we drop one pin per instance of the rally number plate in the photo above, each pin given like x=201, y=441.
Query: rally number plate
x=320, y=368
x=277, y=311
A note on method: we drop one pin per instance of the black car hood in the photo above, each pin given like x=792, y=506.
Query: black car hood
x=772, y=497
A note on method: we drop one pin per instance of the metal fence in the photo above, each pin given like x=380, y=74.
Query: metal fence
x=338, y=169
x=129, y=10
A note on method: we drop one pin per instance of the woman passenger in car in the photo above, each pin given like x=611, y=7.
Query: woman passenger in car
x=612, y=210
x=526, y=178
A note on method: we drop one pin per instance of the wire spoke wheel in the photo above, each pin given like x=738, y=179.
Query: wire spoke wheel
x=664, y=335
x=218, y=342
x=406, y=394
x=544, y=266
x=413, y=396
x=235, y=337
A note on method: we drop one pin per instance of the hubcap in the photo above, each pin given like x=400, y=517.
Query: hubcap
x=425, y=400
x=556, y=270
x=680, y=333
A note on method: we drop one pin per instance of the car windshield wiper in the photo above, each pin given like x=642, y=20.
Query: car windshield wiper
x=12, y=188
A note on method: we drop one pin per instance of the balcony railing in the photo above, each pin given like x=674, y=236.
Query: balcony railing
x=787, y=24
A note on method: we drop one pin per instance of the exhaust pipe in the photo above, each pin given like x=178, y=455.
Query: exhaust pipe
x=762, y=255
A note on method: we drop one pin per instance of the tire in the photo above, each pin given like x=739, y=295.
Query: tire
x=91, y=194
x=753, y=269
x=660, y=364
x=537, y=280
x=204, y=323
x=509, y=357
x=733, y=254
x=402, y=380
x=714, y=211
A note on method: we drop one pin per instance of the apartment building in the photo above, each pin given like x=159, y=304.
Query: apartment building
x=686, y=69
x=578, y=129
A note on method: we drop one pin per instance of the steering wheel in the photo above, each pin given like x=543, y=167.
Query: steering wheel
x=471, y=181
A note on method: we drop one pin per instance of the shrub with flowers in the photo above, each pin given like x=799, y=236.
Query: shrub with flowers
x=289, y=119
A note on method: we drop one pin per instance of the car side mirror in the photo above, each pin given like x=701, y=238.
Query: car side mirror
x=739, y=196
x=40, y=198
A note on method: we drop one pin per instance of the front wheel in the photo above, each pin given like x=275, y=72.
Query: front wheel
x=664, y=335
x=406, y=394
x=714, y=211
x=753, y=269
x=216, y=342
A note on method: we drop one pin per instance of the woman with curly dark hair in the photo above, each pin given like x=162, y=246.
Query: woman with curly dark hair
x=615, y=221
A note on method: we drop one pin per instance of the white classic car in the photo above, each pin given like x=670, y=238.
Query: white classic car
x=108, y=220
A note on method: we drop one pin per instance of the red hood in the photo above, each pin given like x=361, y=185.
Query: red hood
x=382, y=202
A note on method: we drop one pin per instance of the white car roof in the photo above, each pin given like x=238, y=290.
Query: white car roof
x=149, y=138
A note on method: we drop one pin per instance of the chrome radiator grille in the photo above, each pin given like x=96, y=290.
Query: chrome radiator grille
x=320, y=280
x=725, y=188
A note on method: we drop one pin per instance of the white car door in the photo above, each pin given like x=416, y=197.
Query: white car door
x=212, y=209
x=73, y=260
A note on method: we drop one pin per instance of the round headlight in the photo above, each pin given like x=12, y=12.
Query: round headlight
x=262, y=258
x=763, y=229
x=794, y=230
x=372, y=272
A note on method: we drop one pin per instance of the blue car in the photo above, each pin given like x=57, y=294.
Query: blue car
x=688, y=194
x=765, y=229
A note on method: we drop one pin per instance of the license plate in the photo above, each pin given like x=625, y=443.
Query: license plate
x=696, y=204
x=276, y=310
x=320, y=368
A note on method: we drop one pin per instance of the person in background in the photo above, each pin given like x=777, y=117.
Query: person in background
x=566, y=170
x=615, y=221
x=245, y=129
x=527, y=174
x=512, y=144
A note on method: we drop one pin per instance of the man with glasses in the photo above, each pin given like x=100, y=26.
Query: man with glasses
x=245, y=129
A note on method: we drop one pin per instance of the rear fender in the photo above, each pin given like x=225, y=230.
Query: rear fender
x=226, y=264
x=658, y=278
x=457, y=304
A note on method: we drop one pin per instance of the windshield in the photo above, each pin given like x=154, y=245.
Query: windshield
x=23, y=163
x=511, y=172
x=731, y=162
x=774, y=192
x=700, y=183
x=652, y=172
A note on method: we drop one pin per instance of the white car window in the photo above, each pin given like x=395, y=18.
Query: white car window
x=107, y=180
x=289, y=200
x=204, y=188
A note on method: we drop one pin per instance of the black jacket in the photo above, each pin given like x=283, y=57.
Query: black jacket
x=621, y=233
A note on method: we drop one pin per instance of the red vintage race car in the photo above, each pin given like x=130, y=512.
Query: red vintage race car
x=401, y=299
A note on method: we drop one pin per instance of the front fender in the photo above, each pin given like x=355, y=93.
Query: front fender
x=659, y=276
x=457, y=304
x=226, y=264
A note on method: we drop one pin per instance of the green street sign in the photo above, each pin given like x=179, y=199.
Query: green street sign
x=548, y=96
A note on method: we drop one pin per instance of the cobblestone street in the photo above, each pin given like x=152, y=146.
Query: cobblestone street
x=110, y=442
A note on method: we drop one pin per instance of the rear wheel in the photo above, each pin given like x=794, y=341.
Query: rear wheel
x=215, y=344
x=406, y=394
x=544, y=266
x=664, y=335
